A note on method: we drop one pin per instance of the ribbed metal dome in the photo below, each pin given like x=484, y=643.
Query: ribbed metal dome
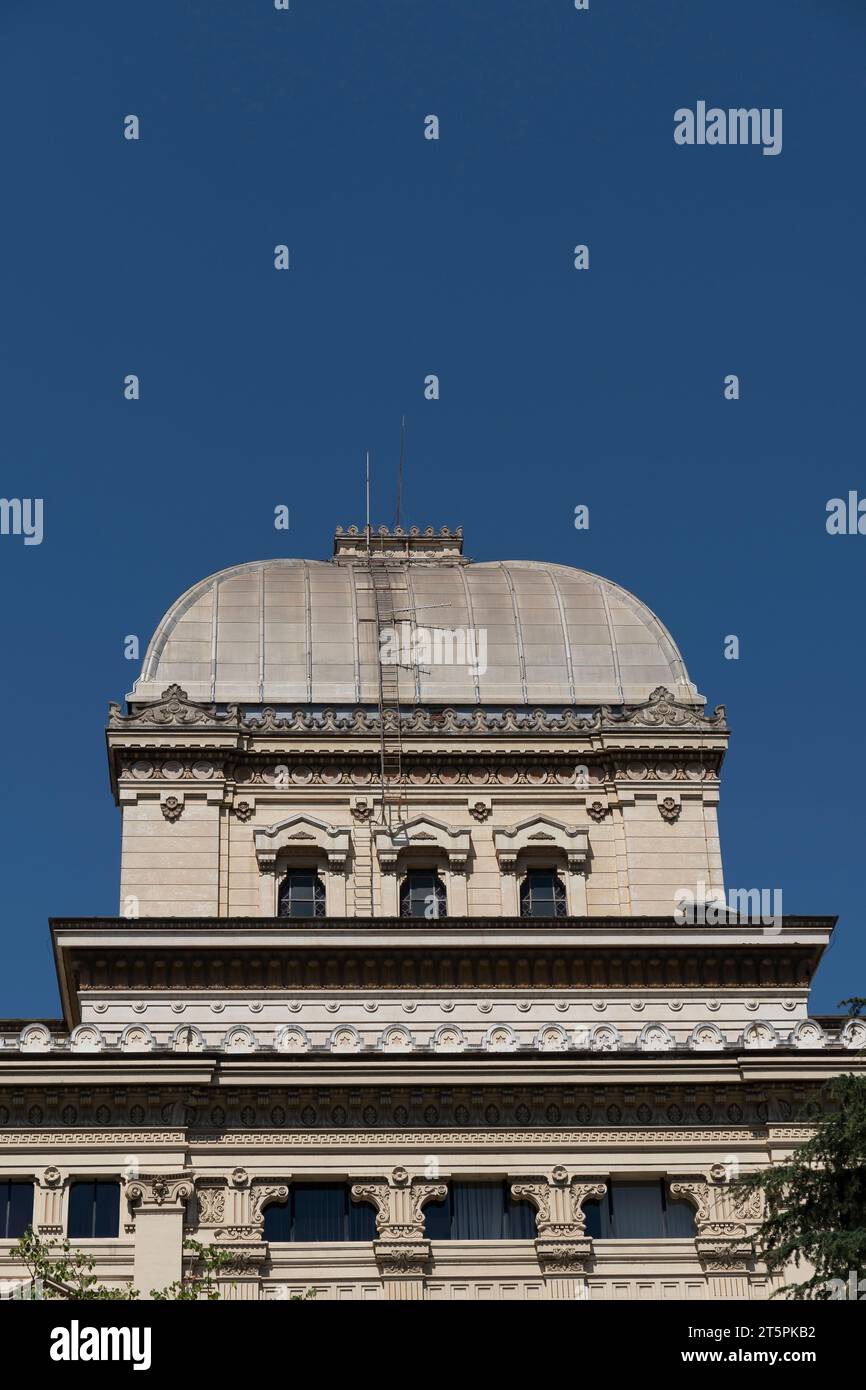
x=304, y=632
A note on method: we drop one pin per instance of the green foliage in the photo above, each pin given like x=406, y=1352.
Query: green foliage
x=200, y=1283
x=61, y=1271
x=815, y=1204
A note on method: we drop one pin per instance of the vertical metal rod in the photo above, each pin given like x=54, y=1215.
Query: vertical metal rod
x=400, y=473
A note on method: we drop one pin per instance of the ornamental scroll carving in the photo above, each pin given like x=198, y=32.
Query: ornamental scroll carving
x=262, y=1193
x=399, y=1200
x=723, y=1244
x=558, y=1202
x=156, y=1190
x=174, y=708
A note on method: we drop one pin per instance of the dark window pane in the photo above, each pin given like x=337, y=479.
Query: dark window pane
x=16, y=1208
x=318, y=1213
x=437, y=1220
x=478, y=1211
x=635, y=1211
x=422, y=894
x=302, y=894
x=278, y=1220
x=593, y=1212
x=679, y=1218
x=520, y=1220
x=362, y=1221
x=94, y=1210
x=542, y=894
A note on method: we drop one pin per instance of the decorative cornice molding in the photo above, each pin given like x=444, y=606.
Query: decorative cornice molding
x=399, y=966
x=661, y=711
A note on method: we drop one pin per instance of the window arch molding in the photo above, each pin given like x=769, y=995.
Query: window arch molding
x=542, y=841
x=424, y=844
x=303, y=841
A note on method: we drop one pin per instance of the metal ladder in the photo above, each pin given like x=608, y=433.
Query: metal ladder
x=392, y=775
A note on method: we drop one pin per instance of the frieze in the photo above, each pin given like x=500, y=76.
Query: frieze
x=414, y=967
x=463, y=771
x=306, y=1108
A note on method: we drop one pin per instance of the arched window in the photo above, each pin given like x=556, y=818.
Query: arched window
x=302, y=894
x=638, y=1211
x=542, y=894
x=479, y=1211
x=422, y=894
x=319, y=1212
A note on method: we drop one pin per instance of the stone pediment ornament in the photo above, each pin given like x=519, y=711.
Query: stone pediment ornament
x=454, y=841
x=572, y=840
x=662, y=709
x=334, y=841
x=174, y=708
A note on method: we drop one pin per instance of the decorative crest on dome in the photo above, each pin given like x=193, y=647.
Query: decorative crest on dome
x=174, y=707
x=380, y=543
x=663, y=710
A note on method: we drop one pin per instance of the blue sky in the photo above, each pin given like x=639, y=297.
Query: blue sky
x=453, y=257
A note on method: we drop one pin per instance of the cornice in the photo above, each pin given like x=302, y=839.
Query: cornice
x=174, y=710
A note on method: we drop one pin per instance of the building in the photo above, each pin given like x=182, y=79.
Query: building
x=420, y=986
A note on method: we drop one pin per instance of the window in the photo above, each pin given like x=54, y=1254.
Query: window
x=479, y=1211
x=94, y=1209
x=317, y=1212
x=542, y=894
x=422, y=894
x=16, y=1208
x=638, y=1211
x=302, y=894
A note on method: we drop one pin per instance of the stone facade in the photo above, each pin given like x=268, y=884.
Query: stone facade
x=213, y=1053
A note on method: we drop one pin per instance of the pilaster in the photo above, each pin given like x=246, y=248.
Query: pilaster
x=159, y=1200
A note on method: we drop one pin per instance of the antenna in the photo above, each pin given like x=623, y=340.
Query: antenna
x=367, y=480
x=400, y=473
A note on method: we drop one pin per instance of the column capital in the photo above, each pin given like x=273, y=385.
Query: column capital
x=154, y=1191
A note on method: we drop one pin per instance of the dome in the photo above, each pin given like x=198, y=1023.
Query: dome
x=304, y=632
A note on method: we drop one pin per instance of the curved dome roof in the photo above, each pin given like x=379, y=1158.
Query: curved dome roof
x=304, y=632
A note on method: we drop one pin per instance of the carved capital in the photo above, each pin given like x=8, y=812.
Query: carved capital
x=558, y=1203
x=399, y=1200
x=153, y=1191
